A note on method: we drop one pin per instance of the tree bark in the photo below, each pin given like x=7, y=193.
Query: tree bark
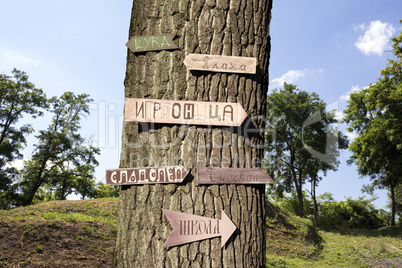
x=313, y=195
x=393, y=205
x=230, y=28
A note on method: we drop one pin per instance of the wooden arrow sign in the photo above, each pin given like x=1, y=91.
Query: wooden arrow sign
x=151, y=43
x=184, y=112
x=216, y=63
x=173, y=174
x=189, y=228
x=233, y=176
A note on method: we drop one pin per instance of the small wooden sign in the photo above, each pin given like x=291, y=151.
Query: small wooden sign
x=184, y=112
x=189, y=228
x=152, y=43
x=216, y=63
x=148, y=175
x=233, y=176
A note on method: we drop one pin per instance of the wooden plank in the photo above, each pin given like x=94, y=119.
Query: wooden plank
x=217, y=63
x=148, y=175
x=152, y=43
x=189, y=228
x=184, y=112
x=209, y=175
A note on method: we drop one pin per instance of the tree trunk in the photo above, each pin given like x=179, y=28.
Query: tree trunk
x=393, y=205
x=298, y=185
x=313, y=182
x=230, y=28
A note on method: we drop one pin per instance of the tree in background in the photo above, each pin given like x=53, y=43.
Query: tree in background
x=351, y=213
x=18, y=97
x=106, y=191
x=375, y=114
x=398, y=202
x=300, y=142
x=60, y=155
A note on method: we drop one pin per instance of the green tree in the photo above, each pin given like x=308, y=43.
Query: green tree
x=351, y=213
x=106, y=191
x=61, y=151
x=375, y=114
x=18, y=97
x=398, y=202
x=300, y=141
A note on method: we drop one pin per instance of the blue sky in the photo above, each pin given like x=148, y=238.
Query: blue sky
x=327, y=47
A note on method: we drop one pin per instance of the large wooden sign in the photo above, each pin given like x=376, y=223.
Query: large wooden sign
x=233, y=176
x=216, y=63
x=151, y=43
x=184, y=112
x=149, y=175
x=189, y=228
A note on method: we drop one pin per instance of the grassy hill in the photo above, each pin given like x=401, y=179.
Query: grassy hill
x=83, y=233
x=294, y=242
x=59, y=234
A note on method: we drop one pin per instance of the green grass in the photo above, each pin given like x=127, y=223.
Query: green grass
x=83, y=233
x=292, y=242
x=78, y=233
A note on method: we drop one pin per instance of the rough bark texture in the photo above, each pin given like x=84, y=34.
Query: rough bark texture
x=230, y=28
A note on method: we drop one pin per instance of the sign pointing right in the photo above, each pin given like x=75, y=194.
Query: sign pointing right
x=189, y=228
x=209, y=175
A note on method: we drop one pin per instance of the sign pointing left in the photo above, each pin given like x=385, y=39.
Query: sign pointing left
x=189, y=228
x=171, y=174
x=152, y=43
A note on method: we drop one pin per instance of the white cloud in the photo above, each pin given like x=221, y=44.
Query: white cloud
x=293, y=75
x=376, y=38
x=346, y=97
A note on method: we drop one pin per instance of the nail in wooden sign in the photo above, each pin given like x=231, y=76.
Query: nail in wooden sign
x=184, y=112
x=151, y=43
x=189, y=228
x=217, y=63
x=233, y=176
x=172, y=174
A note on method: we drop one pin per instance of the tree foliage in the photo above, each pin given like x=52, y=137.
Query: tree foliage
x=300, y=140
x=18, y=98
x=60, y=156
x=375, y=114
x=350, y=213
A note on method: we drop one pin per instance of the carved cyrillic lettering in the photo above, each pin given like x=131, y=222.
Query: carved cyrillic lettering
x=113, y=177
x=188, y=111
x=137, y=111
x=157, y=107
x=216, y=228
x=145, y=40
x=153, y=175
x=165, y=42
x=228, y=109
x=206, y=59
x=176, y=110
x=123, y=176
x=216, y=113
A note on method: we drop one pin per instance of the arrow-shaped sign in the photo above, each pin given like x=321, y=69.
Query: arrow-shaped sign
x=148, y=175
x=151, y=43
x=184, y=112
x=233, y=176
x=189, y=228
x=217, y=63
